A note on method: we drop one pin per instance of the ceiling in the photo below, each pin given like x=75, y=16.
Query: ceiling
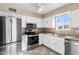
x=33, y=7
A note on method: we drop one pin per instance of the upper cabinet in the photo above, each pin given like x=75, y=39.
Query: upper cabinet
x=48, y=22
x=24, y=20
x=39, y=23
x=31, y=19
x=75, y=18
x=62, y=21
x=35, y=20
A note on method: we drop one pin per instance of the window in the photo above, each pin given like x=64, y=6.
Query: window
x=59, y=22
x=62, y=21
x=66, y=21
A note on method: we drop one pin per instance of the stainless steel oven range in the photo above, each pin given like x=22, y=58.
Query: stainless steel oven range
x=33, y=41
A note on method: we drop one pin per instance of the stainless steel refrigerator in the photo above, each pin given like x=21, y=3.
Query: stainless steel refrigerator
x=10, y=29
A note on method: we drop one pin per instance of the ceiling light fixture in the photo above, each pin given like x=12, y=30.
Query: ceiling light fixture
x=40, y=7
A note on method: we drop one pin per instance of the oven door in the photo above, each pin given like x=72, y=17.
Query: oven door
x=33, y=40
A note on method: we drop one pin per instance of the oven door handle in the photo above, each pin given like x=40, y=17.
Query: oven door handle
x=32, y=35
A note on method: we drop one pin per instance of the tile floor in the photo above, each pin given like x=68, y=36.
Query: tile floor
x=16, y=49
x=41, y=50
x=11, y=49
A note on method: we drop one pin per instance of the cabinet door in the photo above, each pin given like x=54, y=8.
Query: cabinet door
x=52, y=43
x=40, y=39
x=24, y=43
x=60, y=45
x=31, y=19
x=39, y=22
x=48, y=41
x=35, y=20
x=45, y=40
x=48, y=22
x=75, y=18
x=24, y=20
x=54, y=22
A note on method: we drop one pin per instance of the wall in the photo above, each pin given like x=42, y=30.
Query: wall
x=4, y=7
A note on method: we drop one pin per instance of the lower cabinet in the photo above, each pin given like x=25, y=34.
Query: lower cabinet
x=41, y=39
x=24, y=42
x=59, y=45
x=54, y=43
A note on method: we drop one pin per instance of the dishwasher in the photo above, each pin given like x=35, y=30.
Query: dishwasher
x=67, y=46
x=71, y=47
x=74, y=47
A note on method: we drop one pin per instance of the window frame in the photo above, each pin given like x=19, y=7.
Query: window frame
x=62, y=14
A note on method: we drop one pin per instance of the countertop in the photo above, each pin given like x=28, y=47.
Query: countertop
x=71, y=37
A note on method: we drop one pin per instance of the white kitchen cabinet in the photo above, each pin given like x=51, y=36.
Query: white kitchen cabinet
x=31, y=19
x=55, y=43
x=43, y=39
x=53, y=22
x=75, y=18
x=52, y=43
x=48, y=22
x=46, y=41
x=60, y=47
x=40, y=39
x=24, y=19
x=35, y=20
x=39, y=22
x=24, y=42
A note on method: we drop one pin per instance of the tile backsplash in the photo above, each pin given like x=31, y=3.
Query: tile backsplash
x=73, y=31
x=23, y=30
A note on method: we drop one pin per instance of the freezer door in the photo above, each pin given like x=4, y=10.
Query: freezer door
x=14, y=29
x=2, y=30
x=19, y=35
x=8, y=29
